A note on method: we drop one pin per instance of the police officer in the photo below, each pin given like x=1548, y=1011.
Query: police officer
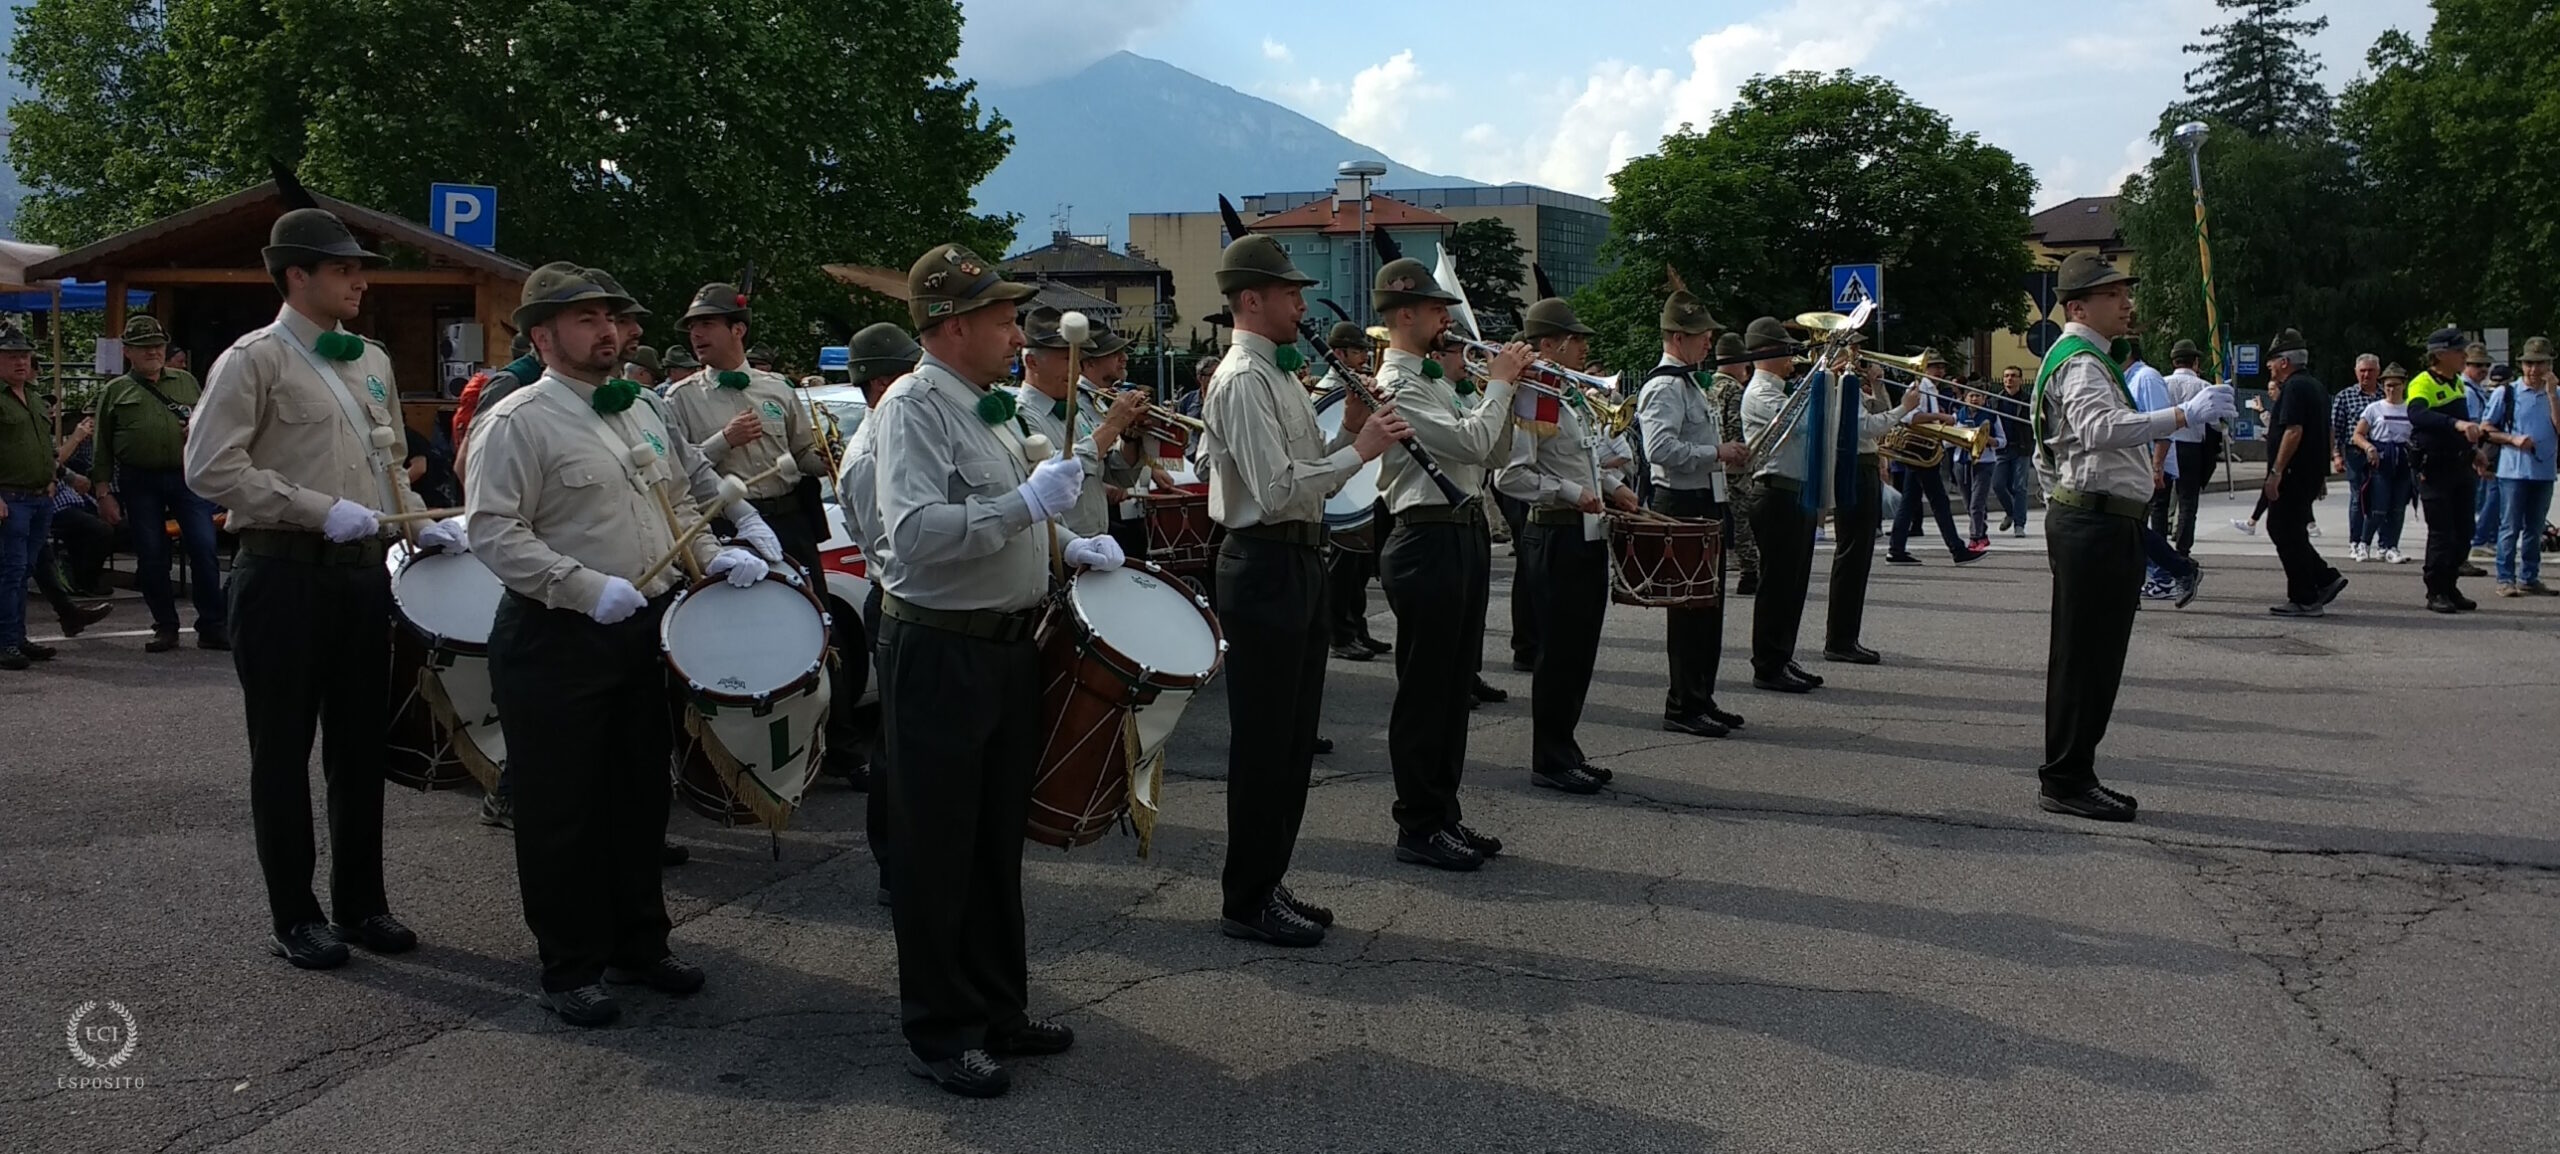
x=1434, y=564
x=876, y=357
x=288, y=438
x=2445, y=437
x=1557, y=475
x=966, y=515
x=26, y=494
x=746, y=419
x=1349, y=571
x=140, y=457
x=2094, y=449
x=1688, y=452
x=566, y=518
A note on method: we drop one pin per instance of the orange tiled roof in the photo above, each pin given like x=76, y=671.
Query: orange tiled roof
x=1323, y=216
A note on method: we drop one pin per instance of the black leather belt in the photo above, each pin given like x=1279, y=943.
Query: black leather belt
x=1306, y=533
x=1438, y=515
x=311, y=548
x=2108, y=503
x=1781, y=482
x=1547, y=516
x=983, y=624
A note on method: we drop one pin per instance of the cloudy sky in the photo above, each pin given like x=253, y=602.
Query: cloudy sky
x=1562, y=93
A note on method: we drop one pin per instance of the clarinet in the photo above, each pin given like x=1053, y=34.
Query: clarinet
x=1359, y=387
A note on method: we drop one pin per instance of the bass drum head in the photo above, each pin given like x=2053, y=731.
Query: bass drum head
x=744, y=644
x=1148, y=617
x=1356, y=501
x=451, y=597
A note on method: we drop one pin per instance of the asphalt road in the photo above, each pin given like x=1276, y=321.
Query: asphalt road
x=1849, y=930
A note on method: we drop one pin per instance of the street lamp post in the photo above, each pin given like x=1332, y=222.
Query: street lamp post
x=2192, y=134
x=1364, y=171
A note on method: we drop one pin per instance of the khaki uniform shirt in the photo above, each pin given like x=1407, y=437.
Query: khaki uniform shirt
x=2100, y=443
x=959, y=534
x=1267, y=461
x=26, y=441
x=271, y=443
x=1682, y=432
x=1556, y=472
x=1467, y=443
x=698, y=409
x=555, y=504
x=1092, y=514
x=136, y=431
x=858, y=492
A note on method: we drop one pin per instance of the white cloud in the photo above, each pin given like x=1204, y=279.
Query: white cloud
x=1014, y=42
x=1275, y=50
x=1381, y=104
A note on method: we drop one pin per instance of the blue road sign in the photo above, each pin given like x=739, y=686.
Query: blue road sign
x=465, y=212
x=839, y=357
x=1851, y=283
x=2244, y=360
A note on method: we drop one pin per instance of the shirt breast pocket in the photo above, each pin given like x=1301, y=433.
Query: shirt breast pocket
x=979, y=477
x=301, y=413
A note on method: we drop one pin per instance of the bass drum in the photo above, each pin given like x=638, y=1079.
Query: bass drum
x=1350, y=509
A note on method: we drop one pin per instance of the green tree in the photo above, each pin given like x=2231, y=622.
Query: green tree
x=2257, y=76
x=1805, y=171
x=1491, y=265
x=2458, y=134
x=673, y=141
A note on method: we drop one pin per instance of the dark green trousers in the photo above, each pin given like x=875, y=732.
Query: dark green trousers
x=2097, y=589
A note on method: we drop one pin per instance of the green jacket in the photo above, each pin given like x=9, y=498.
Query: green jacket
x=26, y=441
x=136, y=431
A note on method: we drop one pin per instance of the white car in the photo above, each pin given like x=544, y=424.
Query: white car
x=841, y=410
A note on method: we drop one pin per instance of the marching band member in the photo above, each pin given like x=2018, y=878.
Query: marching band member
x=1098, y=437
x=562, y=514
x=1725, y=397
x=1686, y=446
x=1433, y=565
x=2094, y=449
x=744, y=419
x=1853, y=526
x=1558, y=476
x=1349, y=569
x=284, y=438
x=1929, y=483
x=965, y=515
x=875, y=358
x=1269, y=469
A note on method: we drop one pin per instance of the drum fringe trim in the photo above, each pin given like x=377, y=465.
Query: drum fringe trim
x=1142, y=810
x=462, y=747
x=744, y=786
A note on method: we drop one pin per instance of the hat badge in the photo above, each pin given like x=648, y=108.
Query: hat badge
x=934, y=280
x=1400, y=284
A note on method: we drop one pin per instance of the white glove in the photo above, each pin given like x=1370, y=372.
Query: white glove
x=2213, y=404
x=348, y=521
x=1053, y=488
x=617, y=603
x=445, y=536
x=753, y=532
x=1096, y=553
x=742, y=568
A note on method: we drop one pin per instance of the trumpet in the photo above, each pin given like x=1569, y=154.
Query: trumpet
x=1155, y=420
x=1544, y=376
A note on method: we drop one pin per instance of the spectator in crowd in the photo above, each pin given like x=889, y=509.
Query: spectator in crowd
x=140, y=473
x=1978, y=413
x=2526, y=468
x=2151, y=395
x=2363, y=519
x=2190, y=462
x=2379, y=442
x=431, y=468
x=2017, y=451
x=74, y=560
x=2295, y=476
x=2477, y=383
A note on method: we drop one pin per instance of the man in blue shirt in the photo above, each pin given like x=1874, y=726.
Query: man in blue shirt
x=2526, y=467
x=2476, y=387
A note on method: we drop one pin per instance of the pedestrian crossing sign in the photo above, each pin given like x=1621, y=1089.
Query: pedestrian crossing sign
x=1853, y=283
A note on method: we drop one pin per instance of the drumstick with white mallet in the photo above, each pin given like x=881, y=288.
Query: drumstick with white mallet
x=1074, y=327
x=387, y=440
x=732, y=491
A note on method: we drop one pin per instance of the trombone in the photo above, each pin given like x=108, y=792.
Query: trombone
x=1925, y=446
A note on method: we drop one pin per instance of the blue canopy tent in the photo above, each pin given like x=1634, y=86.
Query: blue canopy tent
x=78, y=296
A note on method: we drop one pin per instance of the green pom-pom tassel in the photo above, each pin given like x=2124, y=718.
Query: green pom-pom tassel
x=1289, y=359
x=1465, y=387
x=733, y=379
x=1431, y=368
x=615, y=395
x=997, y=407
x=338, y=346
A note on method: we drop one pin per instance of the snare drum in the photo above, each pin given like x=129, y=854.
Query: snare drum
x=1348, y=511
x=1665, y=564
x=1180, y=536
x=1120, y=656
x=445, y=719
x=751, y=695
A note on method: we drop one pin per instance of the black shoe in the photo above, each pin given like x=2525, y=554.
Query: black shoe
x=1374, y=645
x=2121, y=796
x=1571, y=779
x=588, y=1006
x=1599, y=773
x=2470, y=570
x=1438, y=849
x=671, y=854
x=497, y=809
x=667, y=975
x=1970, y=556
x=1324, y=745
x=309, y=946
x=213, y=637
x=1521, y=664
x=1748, y=585
x=1720, y=717
x=381, y=933
x=1277, y=923
x=1695, y=725
x=2328, y=592
x=1782, y=683
x=1032, y=1040
x=84, y=616
x=2184, y=588
x=1900, y=559
x=2093, y=803
x=974, y=1074
x=2439, y=603
x=11, y=659
x=2460, y=602
x=1484, y=844
x=35, y=651
x=1490, y=695
x=1853, y=655
x=1801, y=674
x=1309, y=910
x=162, y=641
x=1351, y=651
x=851, y=768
